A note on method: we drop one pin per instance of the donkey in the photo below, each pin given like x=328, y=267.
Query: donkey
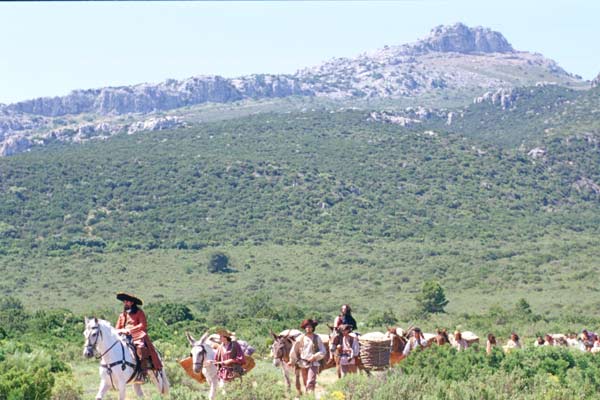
x=399, y=338
x=280, y=351
x=203, y=360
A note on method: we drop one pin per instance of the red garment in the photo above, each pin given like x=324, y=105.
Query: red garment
x=136, y=326
x=231, y=351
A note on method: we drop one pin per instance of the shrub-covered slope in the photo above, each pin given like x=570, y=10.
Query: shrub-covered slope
x=299, y=178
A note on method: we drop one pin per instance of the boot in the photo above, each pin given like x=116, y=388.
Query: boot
x=142, y=354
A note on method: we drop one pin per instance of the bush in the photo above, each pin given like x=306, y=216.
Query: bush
x=170, y=313
x=219, y=262
x=432, y=298
x=65, y=388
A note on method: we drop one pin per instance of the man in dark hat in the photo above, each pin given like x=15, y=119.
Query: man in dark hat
x=132, y=322
x=309, y=349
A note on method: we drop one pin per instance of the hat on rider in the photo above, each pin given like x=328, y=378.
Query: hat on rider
x=225, y=332
x=126, y=296
x=308, y=322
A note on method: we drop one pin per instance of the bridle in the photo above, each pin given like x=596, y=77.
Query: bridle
x=92, y=346
x=200, y=355
x=279, y=346
x=123, y=361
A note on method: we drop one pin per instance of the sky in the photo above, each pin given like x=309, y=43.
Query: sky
x=52, y=48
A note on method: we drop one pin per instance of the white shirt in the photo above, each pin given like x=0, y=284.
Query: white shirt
x=306, y=349
x=349, y=352
x=412, y=344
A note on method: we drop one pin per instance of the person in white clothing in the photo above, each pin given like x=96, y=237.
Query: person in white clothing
x=348, y=351
x=459, y=343
x=309, y=350
x=415, y=342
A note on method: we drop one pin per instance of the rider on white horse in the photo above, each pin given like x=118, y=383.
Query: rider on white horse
x=132, y=322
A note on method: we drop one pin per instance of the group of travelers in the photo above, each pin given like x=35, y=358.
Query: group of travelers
x=310, y=349
x=132, y=323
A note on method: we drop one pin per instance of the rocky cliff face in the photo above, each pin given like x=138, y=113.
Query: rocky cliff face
x=459, y=38
x=450, y=59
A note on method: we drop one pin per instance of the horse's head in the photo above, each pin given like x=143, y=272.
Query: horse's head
x=92, y=334
x=398, y=339
x=281, y=347
x=200, y=351
x=441, y=337
x=335, y=335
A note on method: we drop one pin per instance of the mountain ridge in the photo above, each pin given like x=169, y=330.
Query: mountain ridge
x=452, y=61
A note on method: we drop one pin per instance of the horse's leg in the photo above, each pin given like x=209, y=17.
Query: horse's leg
x=213, y=390
x=138, y=390
x=162, y=382
x=286, y=376
x=104, y=386
x=122, y=391
x=304, y=373
x=338, y=367
x=361, y=367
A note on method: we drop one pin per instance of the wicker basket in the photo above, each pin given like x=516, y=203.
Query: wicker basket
x=187, y=365
x=375, y=350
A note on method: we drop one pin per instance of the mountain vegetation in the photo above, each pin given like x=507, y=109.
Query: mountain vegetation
x=255, y=214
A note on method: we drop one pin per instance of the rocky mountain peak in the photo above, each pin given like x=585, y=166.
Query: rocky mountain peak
x=459, y=38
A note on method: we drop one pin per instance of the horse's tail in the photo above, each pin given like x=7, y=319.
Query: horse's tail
x=162, y=382
x=165, y=385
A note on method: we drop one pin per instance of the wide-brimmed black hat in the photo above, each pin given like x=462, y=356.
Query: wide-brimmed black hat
x=126, y=296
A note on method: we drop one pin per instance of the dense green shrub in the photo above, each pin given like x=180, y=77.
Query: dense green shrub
x=218, y=262
x=432, y=298
x=170, y=313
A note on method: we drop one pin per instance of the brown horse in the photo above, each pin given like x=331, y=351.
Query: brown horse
x=399, y=338
x=441, y=338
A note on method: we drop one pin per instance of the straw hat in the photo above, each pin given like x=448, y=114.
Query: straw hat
x=225, y=332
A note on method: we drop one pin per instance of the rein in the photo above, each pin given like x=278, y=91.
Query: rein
x=108, y=366
x=203, y=352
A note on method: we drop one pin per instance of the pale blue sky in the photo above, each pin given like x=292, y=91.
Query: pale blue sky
x=51, y=48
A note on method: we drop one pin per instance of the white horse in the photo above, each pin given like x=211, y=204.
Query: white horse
x=203, y=360
x=117, y=360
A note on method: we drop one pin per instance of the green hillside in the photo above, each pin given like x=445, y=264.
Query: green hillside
x=332, y=194
x=287, y=179
x=314, y=209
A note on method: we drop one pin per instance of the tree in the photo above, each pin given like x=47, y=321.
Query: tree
x=219, y=262
x=432, y=298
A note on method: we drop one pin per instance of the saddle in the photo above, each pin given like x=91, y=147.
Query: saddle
x=143, y=360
